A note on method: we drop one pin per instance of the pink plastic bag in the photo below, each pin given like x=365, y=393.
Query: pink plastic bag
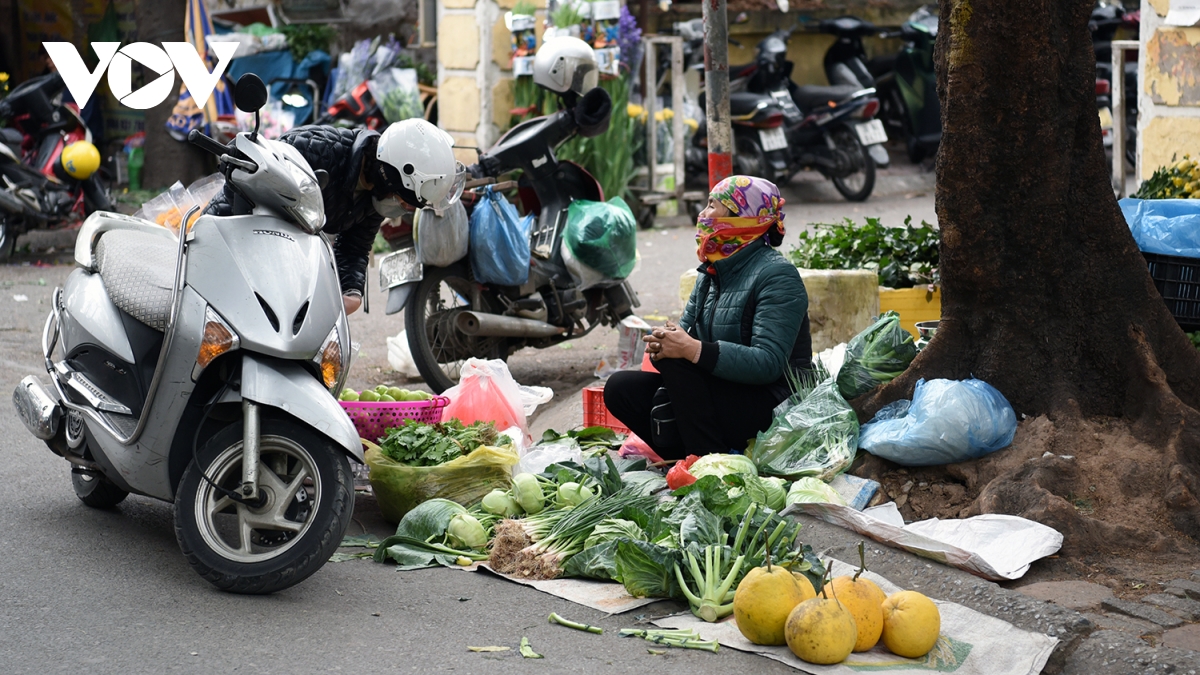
x=486, y=392
x=636, y=447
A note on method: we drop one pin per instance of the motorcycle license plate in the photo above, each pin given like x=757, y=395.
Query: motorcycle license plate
x=400, y=267
x=871, y=133
x=772, y=139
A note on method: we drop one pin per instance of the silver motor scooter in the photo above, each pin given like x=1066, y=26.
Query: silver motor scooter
x=199, y=369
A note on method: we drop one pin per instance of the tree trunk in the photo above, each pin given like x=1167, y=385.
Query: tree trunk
x=1045, y=294
x=167, y=160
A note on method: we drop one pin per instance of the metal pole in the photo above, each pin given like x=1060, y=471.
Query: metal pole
x=716, y=87
x=650, y=101
x=1118, y=109
x=677, y=87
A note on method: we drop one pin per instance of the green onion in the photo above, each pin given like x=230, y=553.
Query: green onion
x=555, y=618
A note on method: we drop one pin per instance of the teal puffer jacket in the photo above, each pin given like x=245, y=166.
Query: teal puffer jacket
x=751, y=316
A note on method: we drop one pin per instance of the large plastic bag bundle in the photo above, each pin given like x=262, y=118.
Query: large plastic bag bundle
x=399, y=488
x=499, y=241
x=816, y=437
x=876, y=356
x=442, y=240
x=486, y=392
x=602, y=236
x=396, y=92
x=1164, y=226
x=947, y=421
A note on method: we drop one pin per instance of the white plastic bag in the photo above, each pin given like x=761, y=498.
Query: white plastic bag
x=532, y=397
x=486, y=392
x=541, y=456
x=442, y=240
x=400, y=357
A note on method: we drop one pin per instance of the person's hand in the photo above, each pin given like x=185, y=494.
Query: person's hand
x=351, y=302
x=669, y=342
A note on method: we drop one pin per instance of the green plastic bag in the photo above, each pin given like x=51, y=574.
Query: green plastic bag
x=876, y=356
x=602, y=236
x=816, y=437
x=399, y=488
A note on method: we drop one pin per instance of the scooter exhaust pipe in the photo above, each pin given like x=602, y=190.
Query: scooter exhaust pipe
x=39, y=412
x=491, y=325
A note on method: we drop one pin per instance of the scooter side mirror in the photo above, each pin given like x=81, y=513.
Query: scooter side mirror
x=250, y=94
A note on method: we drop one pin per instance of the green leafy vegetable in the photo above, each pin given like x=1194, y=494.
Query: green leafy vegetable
x=727, y=496
x=776, y=492
x=712, y=599
x=876, y=356
x=420, y=444
x=303, y=38
x=595, y=562
x=420, y=539
x=718, y=464
x=903, y=257
x=588, y=438
x=817, y=436
x=611, y=529
x=812, y=490
x=647, y=570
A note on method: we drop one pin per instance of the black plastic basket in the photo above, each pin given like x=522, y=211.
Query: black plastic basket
x=1178, y=281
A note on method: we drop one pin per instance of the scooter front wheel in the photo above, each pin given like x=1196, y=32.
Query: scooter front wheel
x=305, y=504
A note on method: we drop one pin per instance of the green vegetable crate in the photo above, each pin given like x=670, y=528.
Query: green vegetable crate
x=373, y=419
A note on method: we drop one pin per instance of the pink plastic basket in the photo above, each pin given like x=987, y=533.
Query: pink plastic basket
x=373, y=419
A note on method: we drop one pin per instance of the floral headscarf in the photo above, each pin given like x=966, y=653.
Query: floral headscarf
x=756, y=207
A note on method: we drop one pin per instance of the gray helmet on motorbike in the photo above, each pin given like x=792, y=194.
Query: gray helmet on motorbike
x=566, y=64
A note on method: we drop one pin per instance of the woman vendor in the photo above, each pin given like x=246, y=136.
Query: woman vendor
x=722, y=369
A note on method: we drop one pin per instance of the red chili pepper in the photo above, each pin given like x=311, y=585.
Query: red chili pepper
x=679, y=475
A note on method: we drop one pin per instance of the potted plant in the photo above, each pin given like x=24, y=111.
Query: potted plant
x=904, y=259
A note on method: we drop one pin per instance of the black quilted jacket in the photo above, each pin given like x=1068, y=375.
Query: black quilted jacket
x=348, y=215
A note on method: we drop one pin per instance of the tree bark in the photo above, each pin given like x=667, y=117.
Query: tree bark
x=1045, y=294
x=167, y=160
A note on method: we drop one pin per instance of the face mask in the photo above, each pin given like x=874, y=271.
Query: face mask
x=720, y=238
x=388, y=207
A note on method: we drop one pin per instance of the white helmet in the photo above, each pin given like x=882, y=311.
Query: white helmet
x=417, y=161
x=566, y=64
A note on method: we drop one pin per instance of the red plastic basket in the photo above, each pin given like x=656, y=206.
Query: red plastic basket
x=372, y=419
x=595, y=413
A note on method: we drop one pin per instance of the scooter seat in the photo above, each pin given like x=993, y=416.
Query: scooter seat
x=811, y=96
x=138, y=270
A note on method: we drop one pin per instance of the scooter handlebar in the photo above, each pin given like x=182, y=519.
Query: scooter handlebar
x=195, y=137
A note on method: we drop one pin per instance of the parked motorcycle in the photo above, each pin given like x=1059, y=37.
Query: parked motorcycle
x=780, y=128
x=450, y=317
x=38, y=188
x=907, y=86
x=357, y=108
x=199, y=371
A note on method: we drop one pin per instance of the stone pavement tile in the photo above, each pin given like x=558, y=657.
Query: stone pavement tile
x=1076, y=595
x=1181, y=588
x=1196, y=575
x=1184, y=637
x=1113, y=652
x=1145, y=612
x=1127, y=624
x=1188, y=610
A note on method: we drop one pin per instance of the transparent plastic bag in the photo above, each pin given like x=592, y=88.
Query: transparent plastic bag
x=399, y=488
x=816, y=437
x=442, y=240
x=875, y=356
x=541, y=456
x=204, y=189
x=499, y=241
x=396, y=92
x=486, y=392
x=947, y=421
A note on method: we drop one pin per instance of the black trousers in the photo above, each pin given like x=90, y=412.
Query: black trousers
x=713, y=415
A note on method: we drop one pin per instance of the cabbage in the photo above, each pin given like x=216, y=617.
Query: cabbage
x=813, y=490
x=776, y=492
x=723, y=465
x=611, y=529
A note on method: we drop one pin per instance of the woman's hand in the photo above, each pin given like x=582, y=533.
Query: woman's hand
x=669, y=342
x=351, y=302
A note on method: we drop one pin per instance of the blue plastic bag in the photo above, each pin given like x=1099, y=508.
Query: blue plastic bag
x=499, y=241
x=1164, y=226
x=947, y=421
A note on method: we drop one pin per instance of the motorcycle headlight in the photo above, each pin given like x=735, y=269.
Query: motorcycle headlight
x=309, y=209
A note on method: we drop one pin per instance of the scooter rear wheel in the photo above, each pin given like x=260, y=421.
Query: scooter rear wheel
x=8, y=238
x=438, y=348
x=307, y=492
x=857, y=186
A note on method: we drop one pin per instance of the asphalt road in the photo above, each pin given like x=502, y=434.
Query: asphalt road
x=88, y=591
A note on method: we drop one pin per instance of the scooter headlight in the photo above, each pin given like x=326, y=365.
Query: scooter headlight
x=218, y=339
x=331, y=358
x=309, y=209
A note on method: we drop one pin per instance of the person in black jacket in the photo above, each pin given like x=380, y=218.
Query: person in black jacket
x=369, y=174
